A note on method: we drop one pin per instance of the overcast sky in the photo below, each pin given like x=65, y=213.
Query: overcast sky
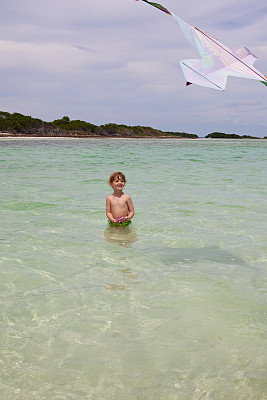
x=118, y=61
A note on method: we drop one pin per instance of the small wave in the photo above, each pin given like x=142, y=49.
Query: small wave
x=22, y=206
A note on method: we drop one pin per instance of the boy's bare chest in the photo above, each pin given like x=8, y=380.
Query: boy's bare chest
x=118, y=201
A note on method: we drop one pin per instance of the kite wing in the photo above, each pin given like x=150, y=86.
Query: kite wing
x=217, y=61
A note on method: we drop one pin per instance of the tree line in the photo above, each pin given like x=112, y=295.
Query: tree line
x=20, y=124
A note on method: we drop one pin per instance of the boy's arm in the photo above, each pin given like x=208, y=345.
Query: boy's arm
x=130, y=208
x=108, y=211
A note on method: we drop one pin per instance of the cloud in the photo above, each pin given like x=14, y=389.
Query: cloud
x=118, y=62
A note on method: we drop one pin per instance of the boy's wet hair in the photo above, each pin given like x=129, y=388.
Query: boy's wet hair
x=114, y=175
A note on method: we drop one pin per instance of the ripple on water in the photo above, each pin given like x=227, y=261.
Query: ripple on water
x=172, y=307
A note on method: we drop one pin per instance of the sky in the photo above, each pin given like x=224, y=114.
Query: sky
x=117, y=61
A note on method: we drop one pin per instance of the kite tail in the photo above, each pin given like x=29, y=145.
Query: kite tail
x=158, y=6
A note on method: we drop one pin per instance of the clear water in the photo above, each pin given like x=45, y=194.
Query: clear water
x=172, y=307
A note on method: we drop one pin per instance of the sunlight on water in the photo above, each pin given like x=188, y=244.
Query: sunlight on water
x=171, y=307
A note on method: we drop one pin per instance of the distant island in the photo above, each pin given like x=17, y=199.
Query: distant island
x=17, y=124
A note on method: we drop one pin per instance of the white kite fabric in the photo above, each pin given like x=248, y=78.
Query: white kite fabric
x=217, y=61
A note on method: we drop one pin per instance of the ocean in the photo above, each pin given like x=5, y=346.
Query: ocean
x=172, y=307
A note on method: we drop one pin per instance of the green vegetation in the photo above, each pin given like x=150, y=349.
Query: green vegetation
x=18, y=124
x=183, y=135
x=74, y=126
x=220, y=135
x=112, y=129
x=25, y=125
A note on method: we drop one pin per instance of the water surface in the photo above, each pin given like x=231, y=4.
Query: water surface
x=172, y=307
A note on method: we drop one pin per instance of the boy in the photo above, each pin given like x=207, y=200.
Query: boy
x=119, y=206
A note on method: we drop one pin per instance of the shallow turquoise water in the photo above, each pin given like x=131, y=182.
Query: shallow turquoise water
x=172, y=307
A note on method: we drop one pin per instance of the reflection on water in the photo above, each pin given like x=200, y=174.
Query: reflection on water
x=121, y=235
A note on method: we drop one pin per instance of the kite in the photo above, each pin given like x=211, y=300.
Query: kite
x=217, y=61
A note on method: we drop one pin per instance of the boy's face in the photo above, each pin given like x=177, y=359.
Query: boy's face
x=118, y=183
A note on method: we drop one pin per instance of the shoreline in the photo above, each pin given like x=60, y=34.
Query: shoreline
x=19, y=126
x=64, y=137
x=15, y=136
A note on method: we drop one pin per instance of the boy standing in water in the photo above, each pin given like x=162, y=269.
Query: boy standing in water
x=119, y=206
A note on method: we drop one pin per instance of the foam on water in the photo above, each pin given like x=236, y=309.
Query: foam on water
x=172, y=307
